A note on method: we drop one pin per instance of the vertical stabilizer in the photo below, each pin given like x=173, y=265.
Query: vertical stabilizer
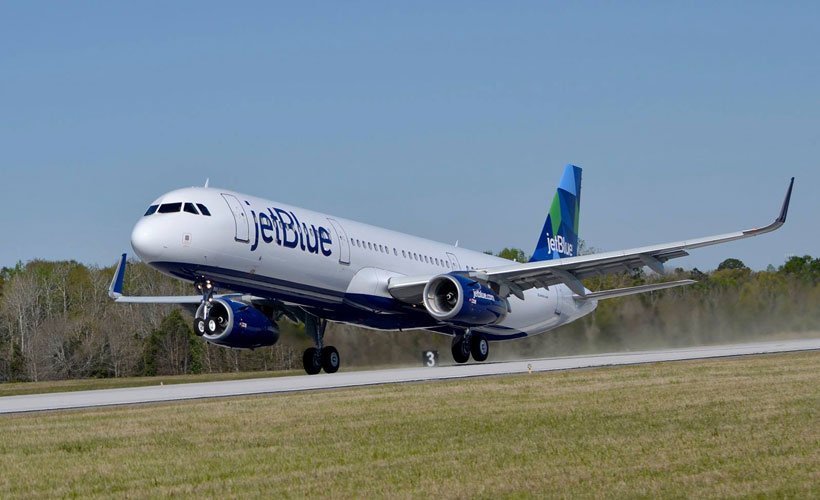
x=559, y=238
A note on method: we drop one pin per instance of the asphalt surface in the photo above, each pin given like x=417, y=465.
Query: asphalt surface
x=177, y=392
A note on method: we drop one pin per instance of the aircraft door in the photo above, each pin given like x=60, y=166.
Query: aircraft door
x=240, y=217
x=344, y=244
x=453, y=262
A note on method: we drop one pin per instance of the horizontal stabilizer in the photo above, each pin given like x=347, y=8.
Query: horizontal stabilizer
x=621, y=292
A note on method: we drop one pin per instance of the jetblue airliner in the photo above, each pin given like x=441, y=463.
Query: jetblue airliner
x=254, y=261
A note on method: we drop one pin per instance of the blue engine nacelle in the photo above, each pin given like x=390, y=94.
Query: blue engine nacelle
x=239, y=325
x=458, y=300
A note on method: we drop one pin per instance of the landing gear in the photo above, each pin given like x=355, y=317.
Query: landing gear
x=461, y=348
x=315, y=359
x=213, y=324
x=470, y=343
x=312, y=361
x=479, y=347
x=199, y=327
x=330, y=359
x=203, y=325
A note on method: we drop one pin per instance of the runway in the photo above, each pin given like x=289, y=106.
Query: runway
x=178, y=392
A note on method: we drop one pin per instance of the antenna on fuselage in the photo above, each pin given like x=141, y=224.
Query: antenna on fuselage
x=207, y=181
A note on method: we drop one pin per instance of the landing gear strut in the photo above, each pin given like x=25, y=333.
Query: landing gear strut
x=201, y=325
x=470, y=343
x=315, y=359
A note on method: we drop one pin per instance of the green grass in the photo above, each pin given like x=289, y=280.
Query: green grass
x=729, y=428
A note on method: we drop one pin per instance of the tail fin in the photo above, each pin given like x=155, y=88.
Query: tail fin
x=559, y=238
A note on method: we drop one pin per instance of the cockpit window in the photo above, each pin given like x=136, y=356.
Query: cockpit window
x=167, y=208
x=151, y=210
x=189, y=207
x=203, y=209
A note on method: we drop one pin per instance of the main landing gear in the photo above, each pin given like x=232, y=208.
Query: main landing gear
x=320, y=357
x=470, y=343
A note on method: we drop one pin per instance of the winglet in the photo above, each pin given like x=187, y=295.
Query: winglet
x=785, y=209
x=115, y=290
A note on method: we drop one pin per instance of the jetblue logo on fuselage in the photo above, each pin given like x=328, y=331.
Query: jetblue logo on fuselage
x=559, y=244
x=285, y=229
x=478, y=294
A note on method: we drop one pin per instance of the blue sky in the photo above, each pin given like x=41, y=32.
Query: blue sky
x=446, y=120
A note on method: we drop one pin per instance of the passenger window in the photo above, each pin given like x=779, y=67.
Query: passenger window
x=169, y=208
x=446, y=263
x=395, y=252
x=404, y=254
x=369, y=245
x=189, y=207
x=151, y=210
x=203, y=209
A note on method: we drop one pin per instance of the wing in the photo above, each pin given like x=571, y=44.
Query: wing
x=115, y=291
x=514, y=279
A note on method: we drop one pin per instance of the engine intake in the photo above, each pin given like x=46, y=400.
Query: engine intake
x=239, y=325
x=456, y=299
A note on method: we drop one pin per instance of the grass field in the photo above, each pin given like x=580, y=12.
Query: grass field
x=730, y=428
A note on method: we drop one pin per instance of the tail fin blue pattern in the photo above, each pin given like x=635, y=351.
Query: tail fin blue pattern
x=559, y=238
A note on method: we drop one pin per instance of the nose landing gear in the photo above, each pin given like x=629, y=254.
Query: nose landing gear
x=202, y=325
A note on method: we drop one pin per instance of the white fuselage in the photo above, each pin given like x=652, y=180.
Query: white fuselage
x=337, y=268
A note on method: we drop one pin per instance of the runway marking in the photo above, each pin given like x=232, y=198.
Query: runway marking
x=204, y=390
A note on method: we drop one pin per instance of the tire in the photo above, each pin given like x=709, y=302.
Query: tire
x=479, y=347
x=460, y=350
x=211, y=326
x=310, y=361
x=199, y=327
x=330, y=359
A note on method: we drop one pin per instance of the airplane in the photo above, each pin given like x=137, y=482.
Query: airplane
x=255, y=261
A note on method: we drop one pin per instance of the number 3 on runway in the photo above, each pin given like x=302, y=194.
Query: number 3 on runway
x=430, y=358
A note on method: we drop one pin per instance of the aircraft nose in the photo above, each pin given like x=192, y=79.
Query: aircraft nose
x=146, y=241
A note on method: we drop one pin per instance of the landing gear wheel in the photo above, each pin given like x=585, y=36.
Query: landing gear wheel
x=199, y=327
x=461, y=350
x=479, y=347
x=330, y=359
x=211, y=326
x=311, y=361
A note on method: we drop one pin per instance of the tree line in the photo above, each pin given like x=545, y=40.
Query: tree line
x=57, y=322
